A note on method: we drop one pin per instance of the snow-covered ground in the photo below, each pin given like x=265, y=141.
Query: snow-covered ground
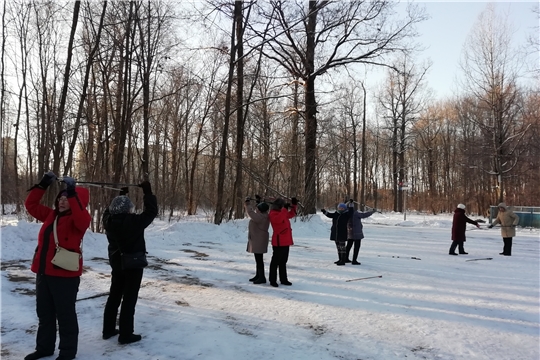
x=196, y=301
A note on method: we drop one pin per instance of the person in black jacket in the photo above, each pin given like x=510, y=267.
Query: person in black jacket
x=338, y=232
x=125, y=233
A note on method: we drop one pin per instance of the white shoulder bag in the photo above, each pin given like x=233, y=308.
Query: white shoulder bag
x=64, y=258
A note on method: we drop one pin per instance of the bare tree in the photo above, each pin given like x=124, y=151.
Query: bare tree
x=310, y=41
x=491, y=71
x=402, y=101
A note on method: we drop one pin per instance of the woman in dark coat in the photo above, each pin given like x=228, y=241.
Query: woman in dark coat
x=258, y=236
x=57, y=288
x=355, y=234
x=125, y=233
x=338, y=232
x=458, y=230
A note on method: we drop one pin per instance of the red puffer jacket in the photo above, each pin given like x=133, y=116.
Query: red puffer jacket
x=70, y=229
x=281, y=226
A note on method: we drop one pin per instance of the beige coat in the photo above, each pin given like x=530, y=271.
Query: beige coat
x=508, y=221
x=258, y=235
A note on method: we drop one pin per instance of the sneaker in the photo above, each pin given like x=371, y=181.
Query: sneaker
x=354, y=262
x=37, y=355
x=129, y=339
x=452, y=254
x=286, y=282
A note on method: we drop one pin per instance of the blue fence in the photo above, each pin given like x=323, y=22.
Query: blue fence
x=529, y=216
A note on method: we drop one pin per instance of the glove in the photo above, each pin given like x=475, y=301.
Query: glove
x=294, y=201
x=490, y=226
x=258, y=199
x=323, y=211
x=70, y=185
x=124, y=190
x=478, y=225
x=248, y=199
x=351, y=203
x=287, y=206
x=47, y=179
x=146, y=187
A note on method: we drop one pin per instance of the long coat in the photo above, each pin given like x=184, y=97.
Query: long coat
x=508, y=221
x=258, y=235
x=459, y=225
x=70, y=228
x=338, y=232
x=355, y=227
x=125, y=231
x=281, y=226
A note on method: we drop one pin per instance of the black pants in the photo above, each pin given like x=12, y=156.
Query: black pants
x=280, y=256
x=125, y=285
x=55, y=300
x=259, y=266
x=356, y=250
x=507, y=249
x=456, y=244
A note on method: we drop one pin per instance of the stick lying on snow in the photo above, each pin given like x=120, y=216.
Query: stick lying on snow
x=94, y=296
x=479, y=259
x=402, y=257
x=364, y=278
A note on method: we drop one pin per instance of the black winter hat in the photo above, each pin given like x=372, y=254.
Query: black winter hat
x=121, y=204
x=278, y=204
x=263, y=207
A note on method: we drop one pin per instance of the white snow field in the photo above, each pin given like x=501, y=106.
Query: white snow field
x=196, y=301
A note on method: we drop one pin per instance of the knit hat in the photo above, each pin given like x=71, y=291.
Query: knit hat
x=342, y=206
x=263, y=207
x=461, y=206
x=121, y=204
x=278, y=204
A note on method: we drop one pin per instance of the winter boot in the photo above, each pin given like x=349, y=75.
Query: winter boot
x=129, y=339
x=36, y=355
x=342, y=258
x=65, y=357
x=108, y=335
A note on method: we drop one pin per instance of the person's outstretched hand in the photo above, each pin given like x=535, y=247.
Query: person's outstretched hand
x=146, y=187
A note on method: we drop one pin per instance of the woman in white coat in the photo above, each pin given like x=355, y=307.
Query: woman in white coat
x=508, y=221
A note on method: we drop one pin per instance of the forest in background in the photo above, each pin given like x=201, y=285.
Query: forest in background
x=220, y=100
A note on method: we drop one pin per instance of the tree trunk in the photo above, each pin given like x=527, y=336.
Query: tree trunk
x=59, y=145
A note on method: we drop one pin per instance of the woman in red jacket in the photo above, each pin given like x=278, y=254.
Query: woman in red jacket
x=281, y=239
x=56, y=288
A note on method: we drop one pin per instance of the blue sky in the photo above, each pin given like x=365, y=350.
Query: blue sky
x=449, y=26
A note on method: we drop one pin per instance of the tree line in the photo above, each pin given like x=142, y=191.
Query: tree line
x=219, y=100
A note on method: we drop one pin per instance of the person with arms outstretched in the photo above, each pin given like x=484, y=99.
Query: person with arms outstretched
x=125, y=233
x=57, y=287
